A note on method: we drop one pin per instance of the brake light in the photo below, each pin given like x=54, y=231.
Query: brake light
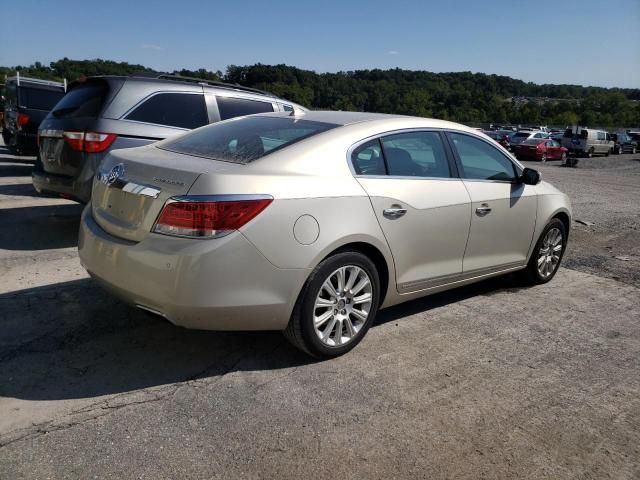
x=22, y=119
x=196, y=218
x=89, y=142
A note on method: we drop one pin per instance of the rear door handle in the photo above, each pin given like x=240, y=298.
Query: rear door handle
x=396, y=211
x=483, y=210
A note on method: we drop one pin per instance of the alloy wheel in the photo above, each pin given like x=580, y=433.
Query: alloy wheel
x=549, y=253
x=342, y=305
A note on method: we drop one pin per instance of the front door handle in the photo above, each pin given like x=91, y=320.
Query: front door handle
x=396, y=211
x=483, y=210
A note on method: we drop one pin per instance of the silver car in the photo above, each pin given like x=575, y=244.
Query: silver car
x=310, y=222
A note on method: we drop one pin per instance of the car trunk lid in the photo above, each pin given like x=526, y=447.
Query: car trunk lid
x=132, y=186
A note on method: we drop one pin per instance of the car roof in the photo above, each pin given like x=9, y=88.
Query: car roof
x=349, y=118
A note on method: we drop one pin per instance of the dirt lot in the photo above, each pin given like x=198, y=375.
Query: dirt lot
x=489, y=381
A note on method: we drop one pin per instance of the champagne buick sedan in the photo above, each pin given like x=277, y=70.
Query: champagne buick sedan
x=311, y=222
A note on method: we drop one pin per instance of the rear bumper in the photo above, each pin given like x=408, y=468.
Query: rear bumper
x=220, y=284
x=60, y=185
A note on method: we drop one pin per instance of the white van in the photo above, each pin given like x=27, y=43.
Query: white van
x=588, y=142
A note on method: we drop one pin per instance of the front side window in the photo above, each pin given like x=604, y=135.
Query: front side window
x=416, y=154
x=182, y=110
x=231, y=107
x=367, y=159
x=245, y=139
x=481, y=161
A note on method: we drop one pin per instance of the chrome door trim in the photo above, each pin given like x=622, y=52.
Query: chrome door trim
x=436, y=282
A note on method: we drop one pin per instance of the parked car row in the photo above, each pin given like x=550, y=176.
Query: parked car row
x=542, y=143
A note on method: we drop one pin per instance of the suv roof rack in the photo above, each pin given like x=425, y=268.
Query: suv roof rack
x=48, y=83
x=214, y=83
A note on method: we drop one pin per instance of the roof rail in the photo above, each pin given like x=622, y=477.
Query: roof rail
x=19, y=78
x=214, y=83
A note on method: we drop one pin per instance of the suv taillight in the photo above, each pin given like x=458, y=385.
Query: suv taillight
x=22, y=119
x=89, y=142
x=198, y=217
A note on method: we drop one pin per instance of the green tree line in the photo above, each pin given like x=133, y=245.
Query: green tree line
x=460, y=96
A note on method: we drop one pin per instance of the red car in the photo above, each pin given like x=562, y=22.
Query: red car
x=540, y=149
x=500, y=137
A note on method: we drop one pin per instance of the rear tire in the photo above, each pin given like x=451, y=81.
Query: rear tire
x=543, y=159
x=590, y=153
x=563, y=158
x=546, y=257
x=325, y=325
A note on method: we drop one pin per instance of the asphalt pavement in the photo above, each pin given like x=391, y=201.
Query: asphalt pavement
x=493, y=380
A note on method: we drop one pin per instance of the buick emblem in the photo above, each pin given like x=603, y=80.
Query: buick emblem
x=110, y=177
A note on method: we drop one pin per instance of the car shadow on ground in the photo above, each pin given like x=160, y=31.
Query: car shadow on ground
x=73, y=340
x=15, y=169
x=40, y=228
x=7, y=156
x=19, y=190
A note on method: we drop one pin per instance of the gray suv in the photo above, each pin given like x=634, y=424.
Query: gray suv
x=105, y=113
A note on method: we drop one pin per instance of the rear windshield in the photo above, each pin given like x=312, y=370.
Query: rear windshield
x=84, y=100
x=522, y=135
x=39, y=99
x=245, y=139
x=532, y=141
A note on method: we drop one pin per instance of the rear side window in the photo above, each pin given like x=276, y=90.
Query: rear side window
x=480, y=160
x=39, y=99
x=231, y=107
x=182, y=110
x=83, y=100
x=416, y=154
x=367, y=159
x=246, y=139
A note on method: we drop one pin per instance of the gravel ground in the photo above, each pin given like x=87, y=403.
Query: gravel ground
x=605, y=192
x=488, y=381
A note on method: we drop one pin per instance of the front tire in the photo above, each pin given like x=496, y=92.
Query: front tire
x=336, y=307
x=547, y=254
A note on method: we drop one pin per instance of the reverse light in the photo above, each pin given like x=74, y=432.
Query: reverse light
x=208, y=216
x=89, y=142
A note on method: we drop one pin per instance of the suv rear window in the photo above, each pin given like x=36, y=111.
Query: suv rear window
x=39, y=99
x=231, y=107
x=245, y=139
x=83, y=100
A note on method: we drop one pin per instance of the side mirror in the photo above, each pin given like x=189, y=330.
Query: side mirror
x=530, y=176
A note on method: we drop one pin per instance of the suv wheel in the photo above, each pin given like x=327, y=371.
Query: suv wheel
x=547, y=255
x=336, y=307
x=543, y=158
x=590, y=153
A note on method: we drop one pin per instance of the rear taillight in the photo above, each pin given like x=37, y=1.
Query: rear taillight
x=208, y=217
x=22, y=119
x=89, y=142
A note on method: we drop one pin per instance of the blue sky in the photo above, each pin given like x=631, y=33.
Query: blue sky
x=583, y=42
